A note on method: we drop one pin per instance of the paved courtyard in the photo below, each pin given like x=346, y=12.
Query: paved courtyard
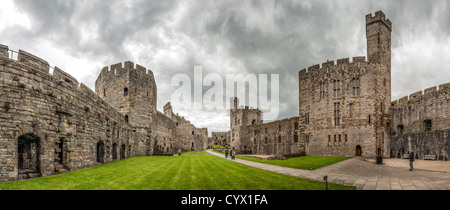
x=366, y=175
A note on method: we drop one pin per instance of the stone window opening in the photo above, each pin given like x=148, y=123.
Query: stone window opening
x=337, y=115
x=126, y=118
x=337, y=88
x=296, y=138
x=329, y=140
x=104, y=92
x=427, y=125
x=400, y=129
x=369, y=119
x=322, y=90
x=60, y=150
x=335, y=142
x=351, y=111
x=356, y=87
x=345, y=136
x=125, y=92
x=340, y=140
x=307, y=118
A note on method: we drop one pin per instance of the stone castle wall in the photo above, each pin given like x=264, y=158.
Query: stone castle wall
x=219, y=138
x=51, y=124
x=68, y=118
x=422, y=122
x=343, y=106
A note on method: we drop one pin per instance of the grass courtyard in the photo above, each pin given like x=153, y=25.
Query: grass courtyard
x=304, y=162
x=190, y=171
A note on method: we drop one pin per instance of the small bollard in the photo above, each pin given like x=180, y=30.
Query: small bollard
x=325, y=178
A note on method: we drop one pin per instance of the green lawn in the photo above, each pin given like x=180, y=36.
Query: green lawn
x=304, y=162
x=191, y=171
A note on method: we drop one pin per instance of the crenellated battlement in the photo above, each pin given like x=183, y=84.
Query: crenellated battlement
x=127, y=66
x=379, y=16
x=420, y=95
x=332, y=65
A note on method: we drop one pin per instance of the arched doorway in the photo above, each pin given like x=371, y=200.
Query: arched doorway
x=358, y=151
x=28, y=151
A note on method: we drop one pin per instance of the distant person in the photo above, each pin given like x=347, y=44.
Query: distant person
x=179, y=152
x=231, y=154
x=234, y=154
x=226, y=153
x=411, y=160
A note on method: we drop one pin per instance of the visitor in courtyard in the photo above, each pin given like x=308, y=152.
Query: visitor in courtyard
x=231, y=154
x=226, y=153
x=179, y=152
x=411, y=160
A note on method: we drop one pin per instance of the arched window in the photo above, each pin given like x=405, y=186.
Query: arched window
x=125, y=92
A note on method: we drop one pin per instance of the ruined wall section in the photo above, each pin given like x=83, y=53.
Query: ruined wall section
x=186, y=137
x=220, y=138
x=69, y=119
x=276, y=138
x=241, y=117
x=421, y=121
x=410, y=113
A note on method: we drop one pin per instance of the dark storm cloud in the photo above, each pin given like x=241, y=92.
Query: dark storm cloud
x=259, y=37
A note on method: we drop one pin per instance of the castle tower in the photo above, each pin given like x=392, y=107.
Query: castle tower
x=378, y=33
x=130, y=90
x=240, y=119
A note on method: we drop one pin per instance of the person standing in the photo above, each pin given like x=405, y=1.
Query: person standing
x=226, y=153
x=411, y=160
x=179, y=152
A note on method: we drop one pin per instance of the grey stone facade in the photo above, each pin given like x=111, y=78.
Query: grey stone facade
x=51, y=124
x=421, y=122
x=345, y=109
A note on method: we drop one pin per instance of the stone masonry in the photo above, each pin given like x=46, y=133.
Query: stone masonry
x=51, y=124
x=345, y=109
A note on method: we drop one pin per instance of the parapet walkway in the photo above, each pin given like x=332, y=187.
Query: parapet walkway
x=365, y=175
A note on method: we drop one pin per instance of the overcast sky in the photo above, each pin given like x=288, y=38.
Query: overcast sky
x=228, y=37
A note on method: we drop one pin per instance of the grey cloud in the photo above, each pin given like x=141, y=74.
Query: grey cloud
x=260, y=37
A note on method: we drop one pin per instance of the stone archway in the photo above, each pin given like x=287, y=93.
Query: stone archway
x=28, y=156
x=358, y=151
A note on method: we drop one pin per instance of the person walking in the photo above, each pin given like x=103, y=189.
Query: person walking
x=226, y=153
x=179, y=152
x=411, y=160
x=234, y=154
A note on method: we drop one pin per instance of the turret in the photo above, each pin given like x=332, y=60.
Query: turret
x=129, y=89
x=378, y=33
